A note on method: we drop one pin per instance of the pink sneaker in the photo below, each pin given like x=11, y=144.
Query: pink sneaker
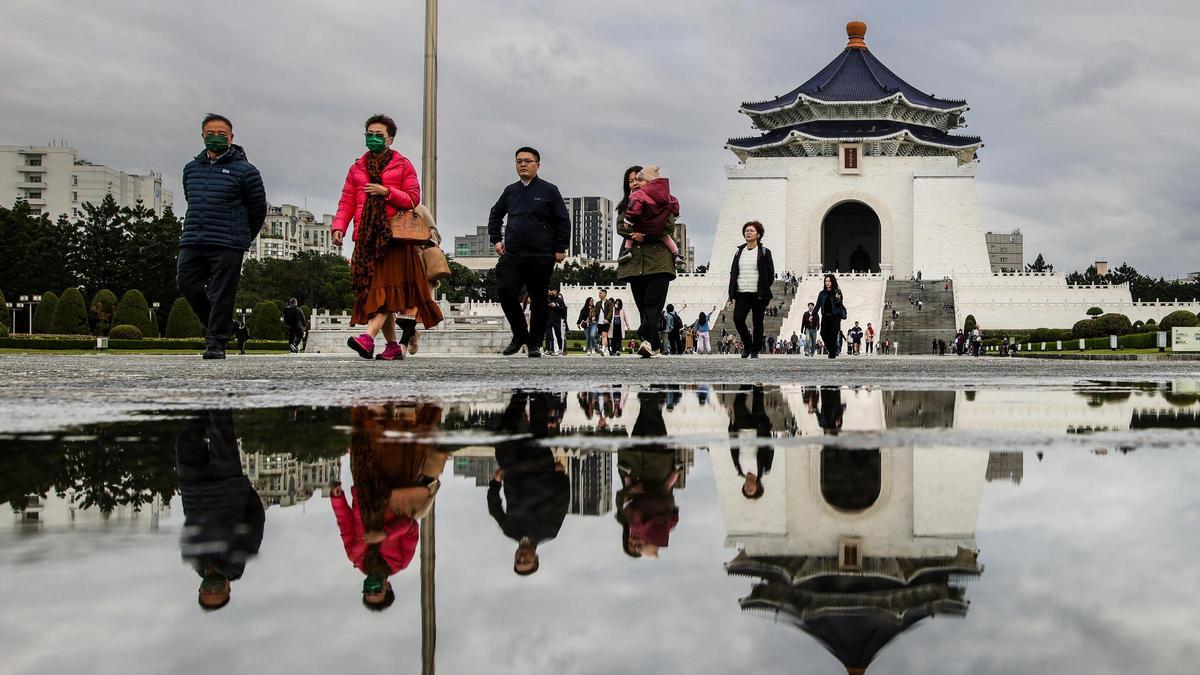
x=363, y=344
x=393, y=352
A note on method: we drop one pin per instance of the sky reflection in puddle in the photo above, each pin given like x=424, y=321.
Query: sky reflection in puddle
x=655, y=529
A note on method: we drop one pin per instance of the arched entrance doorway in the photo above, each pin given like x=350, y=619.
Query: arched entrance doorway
x=850, y=239
x=851, y=480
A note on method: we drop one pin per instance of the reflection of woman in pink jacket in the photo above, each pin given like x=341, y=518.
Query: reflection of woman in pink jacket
x=395, y=481
x=387, y=275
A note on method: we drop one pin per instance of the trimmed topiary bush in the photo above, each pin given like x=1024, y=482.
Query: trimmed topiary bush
x=44, y=314
x=5, y=315
x=1113, y=324
x=104, y=305
x=3, y=330
x=1138, y=325
x=133, y=310
x=182, y=322
x=969, y=323
x=266, y=323
x=1094, y=312
x=1084, y=328
x=1179, y=319
x=125, y=332
x=70, y=316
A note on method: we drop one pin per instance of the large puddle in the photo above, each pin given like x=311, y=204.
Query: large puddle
x=651, y=529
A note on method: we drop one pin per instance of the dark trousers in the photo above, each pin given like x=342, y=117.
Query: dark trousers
x=831, y=330
x=207, y=277
x=650, y=296
x=295, y=335
x=532, y=274
x=744, y=304
x=554, y=334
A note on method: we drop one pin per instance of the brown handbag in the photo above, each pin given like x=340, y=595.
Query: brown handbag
x=406, y=226
x=437, y=267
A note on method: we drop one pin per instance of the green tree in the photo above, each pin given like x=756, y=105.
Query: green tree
x=133, y=310
x=462, y=283
x=313, y=279
x=152, y=252
x=592, y=274
x=32, y=251
x=1113, y=324
x=43, y=315
x=183, y=322
x=103, y=307
x=1179, y=319
x=1094, y=312
x=5, y=313
x=1039, y=265
x=70, y=316
x=267, y=322
x=124, y=331
x=97, y=252
x=969, y=323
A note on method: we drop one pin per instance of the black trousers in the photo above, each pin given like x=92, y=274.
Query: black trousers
x=744, y=304
x=207, y=277
x=830, y=330
x=532, y=274
x=650, y=296
x=554, y=333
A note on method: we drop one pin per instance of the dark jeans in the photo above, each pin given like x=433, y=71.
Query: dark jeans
x=534, y=275
x=295, y=335
x=207, y=277
x=650, y=296
x=830, y=331
x=554, y=334
x=743, y=304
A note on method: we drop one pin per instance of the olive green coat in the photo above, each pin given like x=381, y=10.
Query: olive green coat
x=649, y=257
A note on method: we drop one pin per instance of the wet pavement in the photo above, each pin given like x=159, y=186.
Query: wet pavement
x=1026, y=521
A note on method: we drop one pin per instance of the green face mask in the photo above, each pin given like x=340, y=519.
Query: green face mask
x=376, y=143
x=216, y=143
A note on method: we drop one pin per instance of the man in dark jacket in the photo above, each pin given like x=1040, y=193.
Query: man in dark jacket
x=223, y=516
x=534, y=238
x=226, y=209
x=293, y=318
x=556, y=311
x=536, y=487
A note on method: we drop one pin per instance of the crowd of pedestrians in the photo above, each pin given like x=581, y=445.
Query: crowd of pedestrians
x=380, y=207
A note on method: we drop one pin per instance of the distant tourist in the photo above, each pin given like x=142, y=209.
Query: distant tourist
x=674, y=330
x=870, y=338
x=604, y=313
x=388, y=277
x=750, y=276
x=810, y=323
x=649, y=266
x=856, y=337
x=556, y=313
x=616, y=331
x=293, y=318
x=832, y=311
x=584, y=323
x=227, y=206
x=242, y=334
x=534, y=237
x=703, y=339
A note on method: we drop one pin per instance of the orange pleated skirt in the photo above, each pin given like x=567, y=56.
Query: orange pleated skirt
x=399, y=286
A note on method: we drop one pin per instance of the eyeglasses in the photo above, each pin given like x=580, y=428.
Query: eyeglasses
x=526, y=161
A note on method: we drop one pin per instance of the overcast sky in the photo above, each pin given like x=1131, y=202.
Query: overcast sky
x=1087, y=110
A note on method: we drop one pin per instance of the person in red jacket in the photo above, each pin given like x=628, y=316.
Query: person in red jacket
x=395, y=482
x=387, y=275
x=650, y=206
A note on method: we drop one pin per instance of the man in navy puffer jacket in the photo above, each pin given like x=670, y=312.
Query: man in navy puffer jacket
x=226, y=207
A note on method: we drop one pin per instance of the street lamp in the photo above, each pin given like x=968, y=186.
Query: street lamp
x=153, y=312
x=25, y=300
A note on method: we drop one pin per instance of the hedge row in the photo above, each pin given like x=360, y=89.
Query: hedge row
x=89, y=344
x=1133, y=341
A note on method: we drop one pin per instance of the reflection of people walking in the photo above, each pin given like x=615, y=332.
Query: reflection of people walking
x=223, y=515
x=647, y=265
x=227, y=205
x=387, y=273
x=832, y=311
x=750, y=278
x=534, y=237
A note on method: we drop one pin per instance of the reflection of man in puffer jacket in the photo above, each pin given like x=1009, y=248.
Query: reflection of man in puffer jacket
x=223, y=515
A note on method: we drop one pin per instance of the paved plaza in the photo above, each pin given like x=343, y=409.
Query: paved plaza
x=47, y=392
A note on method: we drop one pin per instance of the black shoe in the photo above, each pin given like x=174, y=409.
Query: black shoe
x=534, y=353
x=213, y=353
x=754, y=355
x=745, y=353
x=512, y=348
